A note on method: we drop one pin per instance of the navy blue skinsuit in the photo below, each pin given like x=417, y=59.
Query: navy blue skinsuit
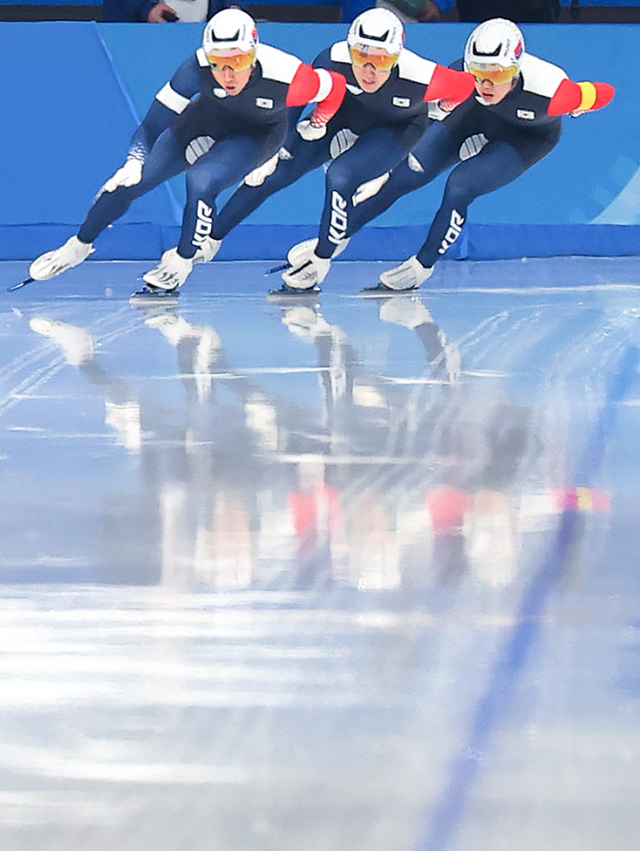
x=216, y=139
x=512, y=136
x=370, y=134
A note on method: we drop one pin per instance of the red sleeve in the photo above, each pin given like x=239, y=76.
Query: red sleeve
x=304, y=86
x=584, y=97
x=447, y=84
x=328, y=107
x=304, y=89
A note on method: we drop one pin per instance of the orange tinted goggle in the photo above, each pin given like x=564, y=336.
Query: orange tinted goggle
x=362, y=55
x=236, y=60
x=495, y=74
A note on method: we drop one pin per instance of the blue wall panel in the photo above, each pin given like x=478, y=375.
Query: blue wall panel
x=66, y=124
x=72, y=112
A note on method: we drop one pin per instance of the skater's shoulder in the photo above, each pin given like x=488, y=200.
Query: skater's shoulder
x=277, y=64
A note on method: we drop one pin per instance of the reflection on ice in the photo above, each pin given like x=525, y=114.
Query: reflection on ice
x=357, y=479
x=296, y=575
x=218, y=489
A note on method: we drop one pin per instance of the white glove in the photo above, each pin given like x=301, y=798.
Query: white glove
x=472, y=146
x=435, y=111
x=128, y=175
x=369, y=189
x=309, y=131
x=258, y=176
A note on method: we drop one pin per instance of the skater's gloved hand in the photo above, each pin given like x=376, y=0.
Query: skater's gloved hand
x=369, y=189
x=447, y=105
x=472, y=145
x=258, y=176
x=309, y=131
x=128, y=175
x=440, y=109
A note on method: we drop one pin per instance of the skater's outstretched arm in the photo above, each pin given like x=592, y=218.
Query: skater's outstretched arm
x=172, y=99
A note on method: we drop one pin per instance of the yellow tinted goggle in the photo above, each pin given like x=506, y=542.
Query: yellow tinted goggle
x=495, y=74
x=236, y=60
x=362, y=55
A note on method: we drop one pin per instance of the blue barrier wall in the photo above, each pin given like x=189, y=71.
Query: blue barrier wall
x=73, y=93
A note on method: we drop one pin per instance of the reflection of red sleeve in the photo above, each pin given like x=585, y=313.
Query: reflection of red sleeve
x=583, y=97
x=447, y=84
x=581, y=499
x=304, y=508
x=447, y=507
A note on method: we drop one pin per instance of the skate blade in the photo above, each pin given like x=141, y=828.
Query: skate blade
x=293, y=296
x=154, y=296
x=381, y=291
x=282, y=267
x=20, y=285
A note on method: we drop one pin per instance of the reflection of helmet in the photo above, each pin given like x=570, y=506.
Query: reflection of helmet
x=377, y=28
x=230, y=29
x=495, y=42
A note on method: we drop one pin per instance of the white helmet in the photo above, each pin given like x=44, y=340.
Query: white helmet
x=230, y=29
x=377, y=28
x=495, y=42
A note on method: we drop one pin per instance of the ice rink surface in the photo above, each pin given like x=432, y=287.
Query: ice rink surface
x=346, y=574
